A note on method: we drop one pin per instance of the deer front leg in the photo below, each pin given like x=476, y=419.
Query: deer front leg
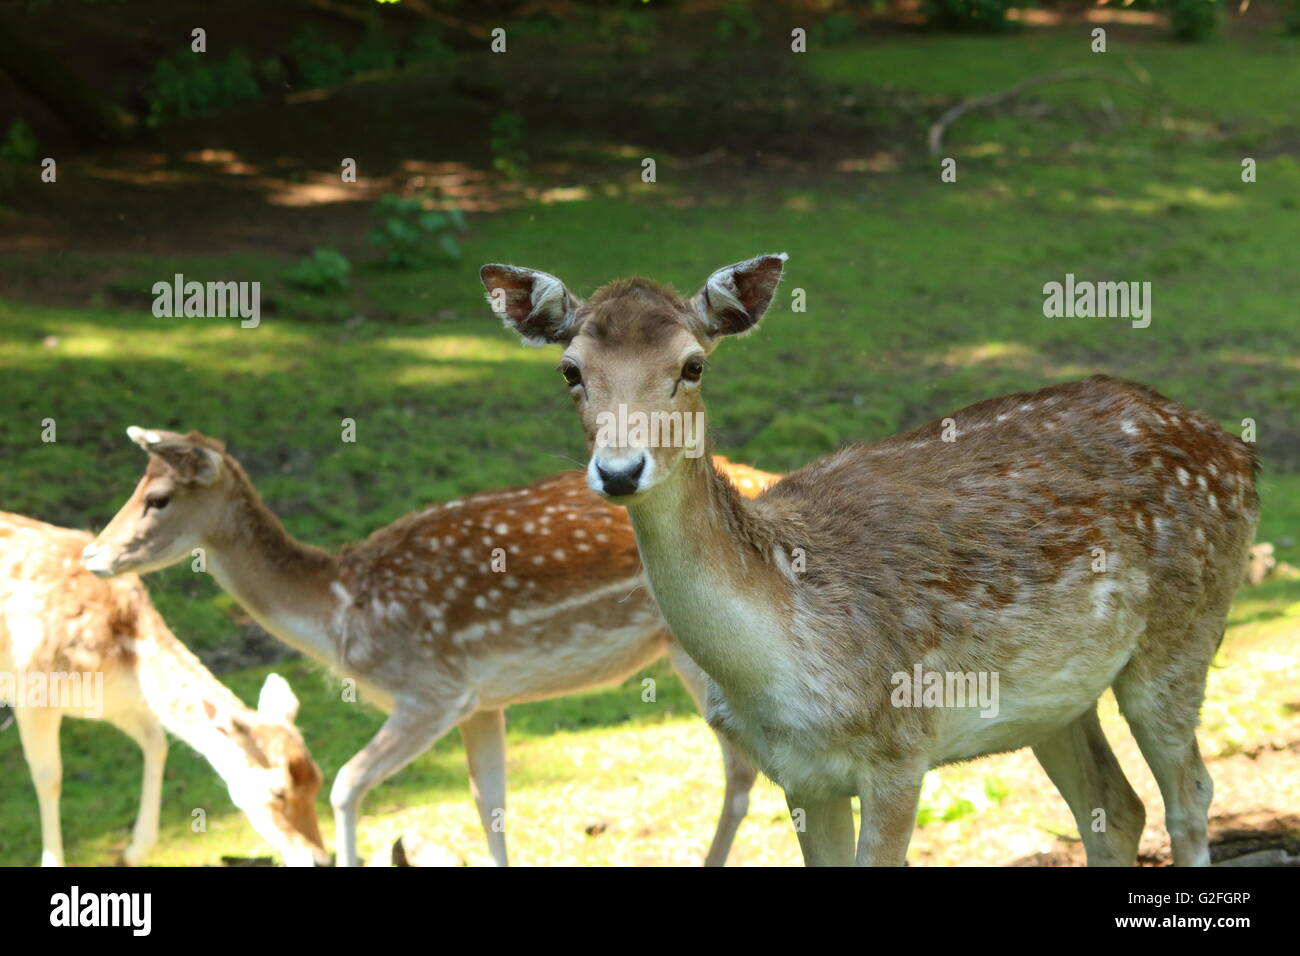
x=410, y=730
x=888, y=817
x=38, y=729
x=484, y=734
x=824, y=826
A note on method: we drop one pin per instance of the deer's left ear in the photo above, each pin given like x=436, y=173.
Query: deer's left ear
x=735, y=298
x=535, y=304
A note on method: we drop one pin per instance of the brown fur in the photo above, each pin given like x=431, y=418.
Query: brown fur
x=1085, y=534
x=421, y=613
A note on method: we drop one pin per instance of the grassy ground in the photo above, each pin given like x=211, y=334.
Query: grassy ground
x=922, y=296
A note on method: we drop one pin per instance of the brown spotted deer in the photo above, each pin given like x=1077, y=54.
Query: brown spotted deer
x=444, y=618
x=99, y=649
x=1085, y=536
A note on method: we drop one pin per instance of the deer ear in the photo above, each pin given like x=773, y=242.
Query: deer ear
x=735, y=298
x=277, y=701
x=535, y=304
x=192, y=463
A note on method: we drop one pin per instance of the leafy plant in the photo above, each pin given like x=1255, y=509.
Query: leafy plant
x=507, y=144
x=189, y=83
x=1195, y=19
x=320, y=62
x=409, y=233
x=737, y=22
x=323, y=63
x=19, y=145
x=836, y=28
x=18, y=149
x=325, y=270
x=428, y=46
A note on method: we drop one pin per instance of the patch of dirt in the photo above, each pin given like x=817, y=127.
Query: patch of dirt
x=264, y=178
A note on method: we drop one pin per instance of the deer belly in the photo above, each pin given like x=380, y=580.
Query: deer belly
x=1021, y=714
x=568, y=653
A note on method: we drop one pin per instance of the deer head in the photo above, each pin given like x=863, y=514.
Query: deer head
x=174, y=506
x=270, y=773
x=634, y=358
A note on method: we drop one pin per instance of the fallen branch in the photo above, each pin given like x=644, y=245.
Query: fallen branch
x=940, y=126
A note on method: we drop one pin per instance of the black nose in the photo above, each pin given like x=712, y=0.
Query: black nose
x=621, y=482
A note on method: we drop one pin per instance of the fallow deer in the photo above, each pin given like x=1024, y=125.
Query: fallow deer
x=73, y=645
x=1084, y=536
x=443, y=618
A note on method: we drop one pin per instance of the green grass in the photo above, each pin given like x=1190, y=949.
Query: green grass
x=922, y=296
x=1248, y=76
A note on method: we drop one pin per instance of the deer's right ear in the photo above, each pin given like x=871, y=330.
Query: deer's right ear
x=535, y=304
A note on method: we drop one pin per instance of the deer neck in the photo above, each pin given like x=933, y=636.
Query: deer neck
x=284, y=584
x=709, y=559
x=189, y=702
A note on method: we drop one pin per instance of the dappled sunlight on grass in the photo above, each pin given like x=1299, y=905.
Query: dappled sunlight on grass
x=634, y=797
x=649, y=793
x=470, y=348
x=1163, y=197
x=1003, y=354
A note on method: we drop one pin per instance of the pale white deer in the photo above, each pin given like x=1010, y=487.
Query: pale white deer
x=72, y=645
x=1085, y=536
x=443, y=618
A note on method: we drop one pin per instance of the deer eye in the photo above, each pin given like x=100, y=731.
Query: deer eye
x=156, y=502
x=572, y=374
x=693, y=369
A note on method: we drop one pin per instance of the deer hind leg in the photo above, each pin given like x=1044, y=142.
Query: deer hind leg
x=410, y=730
x=739, y=770
x=38, y=729
x=1163, y=711
x=484, y=734
x=1109, y=815
x=147, y=732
